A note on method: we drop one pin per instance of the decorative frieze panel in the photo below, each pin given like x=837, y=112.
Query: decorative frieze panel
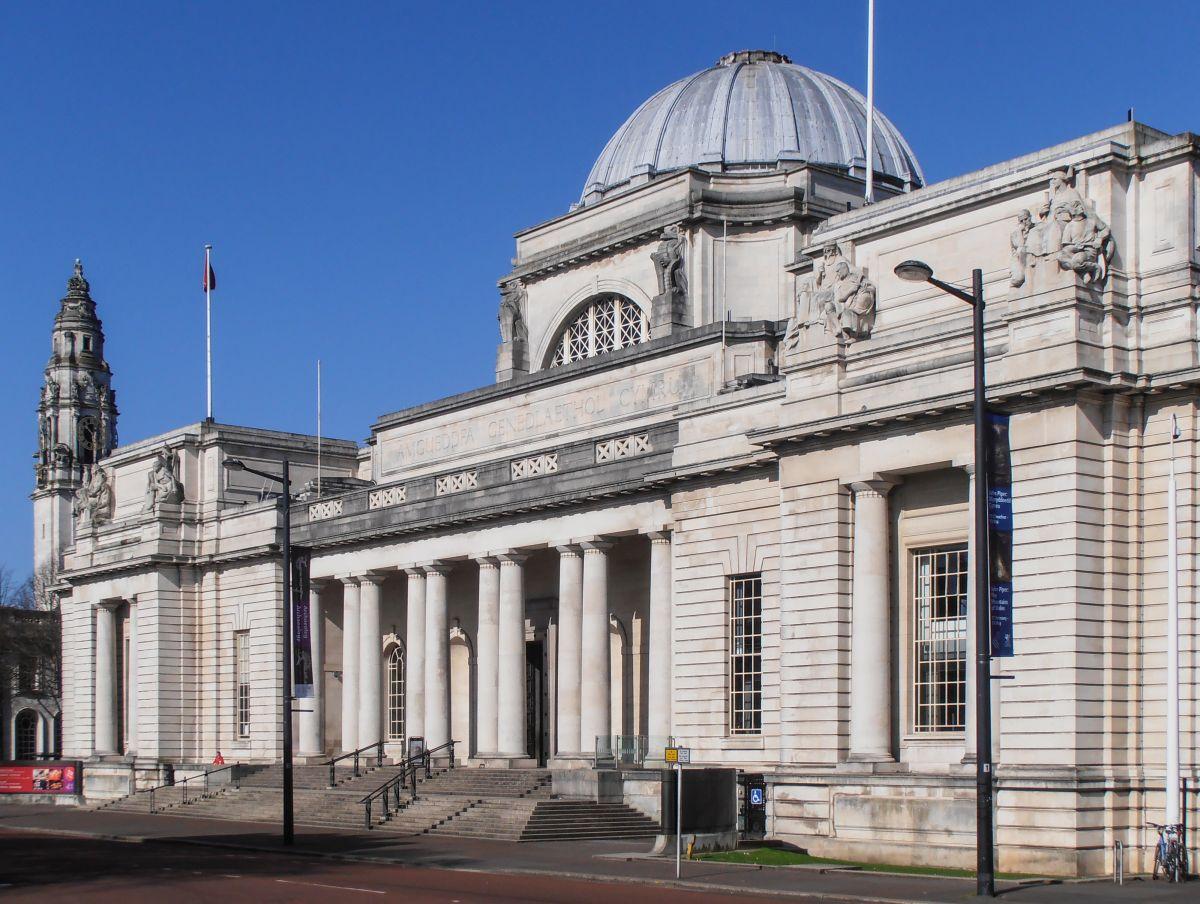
x=622, y=447
x=535, y=466
x=388, y=496
x=456, y=483
x=319, y=511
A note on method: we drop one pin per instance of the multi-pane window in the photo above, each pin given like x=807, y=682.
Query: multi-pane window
x=745, y=654
x=939, y=660
x=395, y=698
x=241, y=645
x=26, y=735
x=608, y=323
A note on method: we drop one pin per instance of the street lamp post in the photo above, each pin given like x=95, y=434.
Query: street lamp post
x=235, y=464
x=985, y=865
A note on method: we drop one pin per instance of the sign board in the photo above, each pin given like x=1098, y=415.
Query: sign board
x=46, y=778
x=302, y=627
x=758, y=796
x=681, y=755
x=999, y=534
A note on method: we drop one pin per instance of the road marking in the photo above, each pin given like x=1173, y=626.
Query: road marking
x=369, y=891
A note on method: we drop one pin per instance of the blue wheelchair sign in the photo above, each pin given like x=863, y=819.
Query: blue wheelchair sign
x=756, y=797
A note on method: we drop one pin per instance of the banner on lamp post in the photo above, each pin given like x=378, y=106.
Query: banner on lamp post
x=1000, y=528
x=302, y=628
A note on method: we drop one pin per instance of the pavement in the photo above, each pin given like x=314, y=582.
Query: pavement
x=69, y=854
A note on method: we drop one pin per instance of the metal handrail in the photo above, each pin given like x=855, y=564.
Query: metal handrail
x=378, y=745
x=183, y=783
x=406, y=775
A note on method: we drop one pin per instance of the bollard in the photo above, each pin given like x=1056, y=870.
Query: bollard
x=1118, y=863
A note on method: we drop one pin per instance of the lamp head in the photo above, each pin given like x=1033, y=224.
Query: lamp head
x=914, y=271
x=234, y=464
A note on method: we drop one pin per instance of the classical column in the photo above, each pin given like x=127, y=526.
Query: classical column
x=870, y=627
x=106, y=678
x=659, y=670
x=350, y=666
x=969, y=661
x=510, y=728
x=437, y=658
x=487, y=649
x=312, y=711
x=414, y=655
x=370, y=657
x=595, y=701
x=131, y=682
x=570, y=639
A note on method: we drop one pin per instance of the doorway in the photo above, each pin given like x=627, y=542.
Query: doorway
x=537, y=723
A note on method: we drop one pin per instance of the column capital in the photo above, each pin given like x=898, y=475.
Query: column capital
x=596, y=544
x=112, y=604
x=568, y=549
x=486, y=561
x=872, y=485
x=373, y=578
x=965, y=463
x=349, y=580
x=437, y=567
x=512, y=557
x=414, y=571
x=658, y=536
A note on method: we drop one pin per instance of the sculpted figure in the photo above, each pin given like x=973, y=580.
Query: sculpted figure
x=1087, y=245
x=839, y=297
x=668, y=264
x=512, y=312
x=163, y=485
x=50, y=394
x=93, y=500
x=1019, y=240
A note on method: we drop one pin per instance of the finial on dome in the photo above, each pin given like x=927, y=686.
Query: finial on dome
x=753, y=56
x=77, y=286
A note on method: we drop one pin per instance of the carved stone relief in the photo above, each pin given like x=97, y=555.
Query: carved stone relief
x=838, y=299
x=669, y=307
x=163, y=484
x=512, y=357
x=93, y=503
x=1068, y=235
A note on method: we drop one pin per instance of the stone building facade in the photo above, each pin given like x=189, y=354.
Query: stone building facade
x=720, y=492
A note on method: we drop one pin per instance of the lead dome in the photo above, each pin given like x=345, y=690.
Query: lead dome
x=753, y=110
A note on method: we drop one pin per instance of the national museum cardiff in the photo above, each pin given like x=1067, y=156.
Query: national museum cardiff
x=720, y=492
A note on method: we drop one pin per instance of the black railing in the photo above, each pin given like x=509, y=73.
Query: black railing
x=356, y=754
x=388, y=794
x=202, y=778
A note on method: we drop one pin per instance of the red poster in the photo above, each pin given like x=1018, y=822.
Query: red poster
x=49, y=778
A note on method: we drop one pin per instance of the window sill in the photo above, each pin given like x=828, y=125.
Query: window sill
x=940, y=738
x=742, y=742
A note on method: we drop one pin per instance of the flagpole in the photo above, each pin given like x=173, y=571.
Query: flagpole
x=318, y=428
x=208, y=330
x=870, y=100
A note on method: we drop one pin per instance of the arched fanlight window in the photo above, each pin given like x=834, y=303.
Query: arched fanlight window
x=26, y=735
x=608, y=323
x=395, y=699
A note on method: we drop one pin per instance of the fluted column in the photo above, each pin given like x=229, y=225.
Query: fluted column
x=570, y=640
x=487, y=650
x=595, y=698
x=659, y=677
x=437, y=658
x=870, y=627
x=312, y=711
x=511, y=675
x=106, y=678
x=370, y=657
x=131, y=682
x=969, y=690
x=350, y=664
x=414, y=655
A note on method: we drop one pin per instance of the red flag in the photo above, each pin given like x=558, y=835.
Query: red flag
x=210, y=278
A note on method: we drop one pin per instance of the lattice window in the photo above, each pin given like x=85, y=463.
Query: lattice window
x=610, y=322
x=241, y=646
x=622, y=447
x=395, y=699
x=26, y=735
x=319, y=511
x=456, y=483
x=939, y=664
x=386, y=497
x=745, y=654
x=535, y=466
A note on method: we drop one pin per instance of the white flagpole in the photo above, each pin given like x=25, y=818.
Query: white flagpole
x=1172, y=789
x=870, y=101
x=208, y=331
x=318, y=428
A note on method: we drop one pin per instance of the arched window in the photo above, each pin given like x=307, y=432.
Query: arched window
x=608, y=323
x=395, y=699
x=26, y=735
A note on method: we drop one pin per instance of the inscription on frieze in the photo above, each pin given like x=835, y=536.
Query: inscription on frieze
x=551, y=414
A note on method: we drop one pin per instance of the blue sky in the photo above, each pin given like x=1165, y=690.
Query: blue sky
x=361, y=167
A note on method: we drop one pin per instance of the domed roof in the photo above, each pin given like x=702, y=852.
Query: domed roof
x=751, y=110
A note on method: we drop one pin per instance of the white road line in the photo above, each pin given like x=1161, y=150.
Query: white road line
x=369, y=891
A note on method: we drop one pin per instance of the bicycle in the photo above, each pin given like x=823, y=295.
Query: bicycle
x=1169, y=853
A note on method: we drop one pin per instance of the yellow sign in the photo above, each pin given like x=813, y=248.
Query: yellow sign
x=671, y=754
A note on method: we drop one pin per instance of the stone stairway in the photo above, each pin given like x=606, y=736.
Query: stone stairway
x=498, y=804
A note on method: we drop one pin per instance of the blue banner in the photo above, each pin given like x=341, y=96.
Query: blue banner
x=302, y=627
x=1000, y=529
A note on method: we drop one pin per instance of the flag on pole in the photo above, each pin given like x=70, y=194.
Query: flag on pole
x=210, y=278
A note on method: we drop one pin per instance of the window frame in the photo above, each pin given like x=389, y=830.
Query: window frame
x=392, y=680
x=913, y=727
x=617, y=332
x=242, y=700
x=735, y=727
